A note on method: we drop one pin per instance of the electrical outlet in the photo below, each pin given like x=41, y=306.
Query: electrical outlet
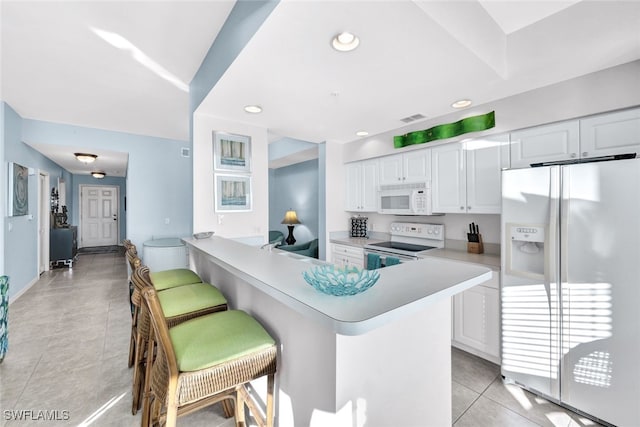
x=167, y=221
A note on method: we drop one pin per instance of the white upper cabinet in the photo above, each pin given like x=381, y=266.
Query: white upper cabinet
x=449, y=183
x=484, y=157
x=361, y=193
x=609, y=134
x=466, y=176
x=602, y=135
x=556, y=142
x=414, y=166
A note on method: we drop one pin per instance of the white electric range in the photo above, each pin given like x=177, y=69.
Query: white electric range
x=408, y=241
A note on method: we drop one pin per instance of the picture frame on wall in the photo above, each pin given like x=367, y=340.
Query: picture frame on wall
x=18, y=190
x=231, y=152
x=233, y=193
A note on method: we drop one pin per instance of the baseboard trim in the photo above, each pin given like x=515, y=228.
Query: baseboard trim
x=23, y=290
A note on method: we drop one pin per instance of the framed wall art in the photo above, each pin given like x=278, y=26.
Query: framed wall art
x=18, y=190
x=233, y=193
x=231, y=152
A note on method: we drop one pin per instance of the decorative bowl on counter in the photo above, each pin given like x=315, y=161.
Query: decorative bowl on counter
x=340, y=281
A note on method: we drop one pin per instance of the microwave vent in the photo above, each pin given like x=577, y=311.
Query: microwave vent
x=413, y=118
x=412, y=186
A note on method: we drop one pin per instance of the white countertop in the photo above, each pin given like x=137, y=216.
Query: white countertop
x=491, y=261
x=401, y=290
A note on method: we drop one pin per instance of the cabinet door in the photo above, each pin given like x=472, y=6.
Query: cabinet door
x=353, y=185
x=417, y=166
x=369, y=187
x=476, y=320
x=390, y=169
x=347, y=256
x=613, y=133
x=560, y=141
x=448, y=179
x=483, y=167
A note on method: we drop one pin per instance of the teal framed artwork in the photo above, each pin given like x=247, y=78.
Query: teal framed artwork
x=231, y=152
x=18, y=190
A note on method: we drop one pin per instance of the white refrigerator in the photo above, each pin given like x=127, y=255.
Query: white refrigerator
x=571, y=285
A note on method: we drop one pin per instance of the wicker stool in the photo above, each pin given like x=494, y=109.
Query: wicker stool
x=164, y=280
x=203, y=361
x=178, y=305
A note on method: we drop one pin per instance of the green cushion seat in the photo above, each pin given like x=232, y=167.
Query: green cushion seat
x=189, y=298
x=217, y=338
x=171, y=278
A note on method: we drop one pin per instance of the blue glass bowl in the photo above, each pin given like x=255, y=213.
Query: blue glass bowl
x=340, y=281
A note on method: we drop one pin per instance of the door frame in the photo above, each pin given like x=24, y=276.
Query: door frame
x=44, y=220
x=80, y=223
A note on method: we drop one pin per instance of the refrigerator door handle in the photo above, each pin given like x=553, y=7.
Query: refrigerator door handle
x=552, y=253
x=551, y=244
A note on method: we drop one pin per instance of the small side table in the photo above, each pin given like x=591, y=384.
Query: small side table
x=165, y=254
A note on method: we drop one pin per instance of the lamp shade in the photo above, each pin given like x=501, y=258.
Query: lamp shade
x=98, y=174
x=290, y=217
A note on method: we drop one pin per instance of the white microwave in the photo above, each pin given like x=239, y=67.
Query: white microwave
x=405, y=199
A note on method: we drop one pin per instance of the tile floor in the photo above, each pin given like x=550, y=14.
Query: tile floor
x=67, y=362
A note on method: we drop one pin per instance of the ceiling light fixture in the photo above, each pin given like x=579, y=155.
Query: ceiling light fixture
x=85, y=157
x=362, y=133
x=345, y=42
x=462, y=103
x=98, y=174
x=253, y=109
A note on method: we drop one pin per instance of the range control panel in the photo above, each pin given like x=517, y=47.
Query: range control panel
x=424, y=231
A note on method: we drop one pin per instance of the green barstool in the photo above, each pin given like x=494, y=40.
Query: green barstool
x=178, y=305
x=165, y=279
x=203, y=361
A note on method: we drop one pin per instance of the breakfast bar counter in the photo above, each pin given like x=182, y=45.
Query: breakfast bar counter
x=379, y=358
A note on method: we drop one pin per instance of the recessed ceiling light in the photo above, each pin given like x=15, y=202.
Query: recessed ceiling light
x=462, y=103
x=345, y=41
x=253, y=109
x=98, y=174
x=85, y=157
x=362, y=133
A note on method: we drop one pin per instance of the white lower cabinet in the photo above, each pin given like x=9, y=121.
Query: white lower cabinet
x=347, y=256
x=476, y=320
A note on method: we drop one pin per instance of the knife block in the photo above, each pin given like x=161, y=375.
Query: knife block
x=476, y=247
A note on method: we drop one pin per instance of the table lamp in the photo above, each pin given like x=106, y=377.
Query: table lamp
x=290, y=218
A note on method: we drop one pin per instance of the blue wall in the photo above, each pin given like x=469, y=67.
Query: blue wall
x=21, y=232
x=295, y=187
x=159, y=179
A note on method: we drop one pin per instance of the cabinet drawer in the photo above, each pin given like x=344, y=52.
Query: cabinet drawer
x=351, y=251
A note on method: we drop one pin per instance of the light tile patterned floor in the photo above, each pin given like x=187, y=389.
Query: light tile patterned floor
x=67, y=359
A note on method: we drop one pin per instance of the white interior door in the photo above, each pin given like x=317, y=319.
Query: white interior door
x=43, y=223
x=98, y=216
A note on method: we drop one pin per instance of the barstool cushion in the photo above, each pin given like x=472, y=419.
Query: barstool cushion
x=217, y=338
x=189, y=298
x=175, y=277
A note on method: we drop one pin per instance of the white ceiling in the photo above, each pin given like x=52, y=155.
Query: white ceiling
x=124, y=65
x=414, y=57
x=115, y=65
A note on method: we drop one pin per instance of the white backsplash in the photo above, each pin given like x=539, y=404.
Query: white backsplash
x=456, y=225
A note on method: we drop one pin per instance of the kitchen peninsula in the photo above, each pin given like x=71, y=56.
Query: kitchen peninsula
x=379, y=358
